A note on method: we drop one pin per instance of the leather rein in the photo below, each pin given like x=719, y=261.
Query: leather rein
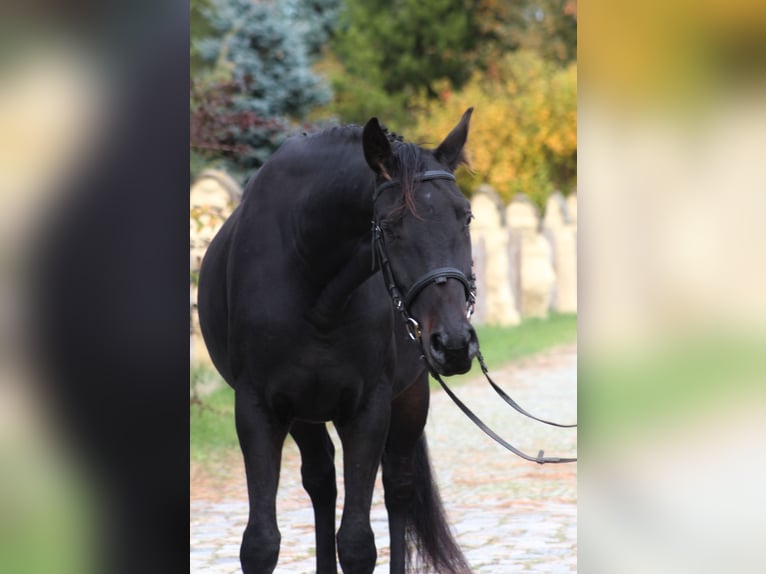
x=439, y=276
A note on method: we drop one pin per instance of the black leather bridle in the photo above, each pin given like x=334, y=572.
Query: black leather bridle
x=438, y=276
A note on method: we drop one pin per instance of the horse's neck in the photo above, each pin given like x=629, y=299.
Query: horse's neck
x=335, y=243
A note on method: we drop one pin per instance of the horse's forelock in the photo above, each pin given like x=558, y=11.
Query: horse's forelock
x=408, y=165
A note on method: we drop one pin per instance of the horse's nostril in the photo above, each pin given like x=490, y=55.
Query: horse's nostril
x=436, y=343
x=451, y=352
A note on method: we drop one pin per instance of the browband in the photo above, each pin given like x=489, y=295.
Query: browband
x=422, y=176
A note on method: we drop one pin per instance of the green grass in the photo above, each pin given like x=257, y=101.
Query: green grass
x=49, y=511
x=502, y=345
x=211, y=424
x=211, y=429
x=657, y=387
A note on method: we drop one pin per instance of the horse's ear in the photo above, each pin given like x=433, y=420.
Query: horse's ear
x=450, y=151
x=377, y=148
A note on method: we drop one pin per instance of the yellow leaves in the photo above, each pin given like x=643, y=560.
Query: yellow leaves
x=554, y=142
x=206, y=218
x=523, y=135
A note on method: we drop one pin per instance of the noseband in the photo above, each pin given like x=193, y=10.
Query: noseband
x=438, y=276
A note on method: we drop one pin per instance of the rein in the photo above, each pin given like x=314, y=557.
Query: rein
x=439, y=276
x=539, y=459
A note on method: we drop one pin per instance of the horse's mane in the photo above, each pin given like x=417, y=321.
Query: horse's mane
x=407, y=155
x=351, y=132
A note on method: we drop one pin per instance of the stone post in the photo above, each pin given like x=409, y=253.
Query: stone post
x=490, y=245
x=533, y=253
x=562, y=235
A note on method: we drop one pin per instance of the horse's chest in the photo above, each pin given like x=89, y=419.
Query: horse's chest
x=325, y=379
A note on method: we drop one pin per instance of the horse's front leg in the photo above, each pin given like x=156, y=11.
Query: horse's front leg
x=318, y=472
x=261, y=437
x=363, y=438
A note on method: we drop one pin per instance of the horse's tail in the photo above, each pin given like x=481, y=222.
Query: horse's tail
x=428, y=535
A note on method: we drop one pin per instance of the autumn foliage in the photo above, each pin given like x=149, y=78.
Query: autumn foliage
x=263, y=70
x=524, y=128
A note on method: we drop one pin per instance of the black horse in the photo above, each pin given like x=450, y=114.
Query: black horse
x=310, y=313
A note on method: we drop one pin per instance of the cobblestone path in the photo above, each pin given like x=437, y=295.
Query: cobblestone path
x=508, y=515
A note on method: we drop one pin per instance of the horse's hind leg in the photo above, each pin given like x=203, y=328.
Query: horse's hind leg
x=415, y=512
x=318, y=472
x=408, y=417
x=261, y=437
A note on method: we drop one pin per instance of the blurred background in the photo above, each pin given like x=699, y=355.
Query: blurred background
x=264, y=70
x=672, y=300
x=107, y=119
x=94, y=183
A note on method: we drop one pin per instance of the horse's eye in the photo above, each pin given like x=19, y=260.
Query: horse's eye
x=388, y=230
x=468, y=219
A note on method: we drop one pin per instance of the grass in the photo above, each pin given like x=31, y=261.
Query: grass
x=211, y=428
x=506, y=344
x=211, y=425
x=654, y=388
x=49, y=510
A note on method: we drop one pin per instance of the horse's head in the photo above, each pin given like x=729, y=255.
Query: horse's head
x=422, y=239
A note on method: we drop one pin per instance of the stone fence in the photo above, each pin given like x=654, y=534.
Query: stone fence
x=525, y=266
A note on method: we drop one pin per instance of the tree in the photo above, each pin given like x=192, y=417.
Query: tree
x=199, y=28
x=391, y=53
x=523, y=131
x=548, y=27
x=315, y=21
x=256, y=81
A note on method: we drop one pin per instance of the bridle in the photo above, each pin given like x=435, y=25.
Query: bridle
x=440, y=276
x=437, y=276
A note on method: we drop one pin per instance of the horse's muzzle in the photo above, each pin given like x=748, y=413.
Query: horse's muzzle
x=451, y=352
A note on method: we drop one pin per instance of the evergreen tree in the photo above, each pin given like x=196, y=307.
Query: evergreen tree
x=258, y=81
x=398, y=50
x=548, y=27
x=315, y=20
